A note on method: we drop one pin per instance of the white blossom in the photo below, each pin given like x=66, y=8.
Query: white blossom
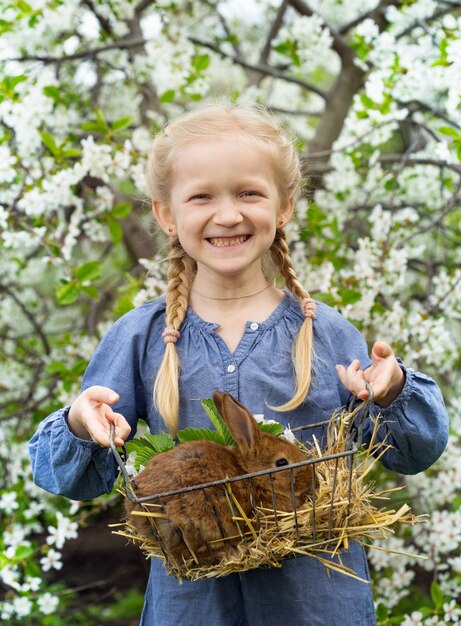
x=64, y=530
x=51, y=560
x=48, y=603
x=8, y=502
x=22, y=606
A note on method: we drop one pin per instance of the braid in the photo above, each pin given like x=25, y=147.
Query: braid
x=181, y=269
x=302, y=349
x=280, y=254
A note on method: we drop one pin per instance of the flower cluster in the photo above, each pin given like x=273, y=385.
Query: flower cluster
x=83, y=88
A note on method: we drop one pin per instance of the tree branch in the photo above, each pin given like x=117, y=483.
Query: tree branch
x=35, y=325
x=372, y=14
x=418, y=105
x=83, y=54
x=450, y=6
x=274, y=29
x=268, y=70
x=103, y=22
x=398, y=158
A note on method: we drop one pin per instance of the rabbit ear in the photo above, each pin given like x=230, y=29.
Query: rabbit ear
x=217, y=399
x=240, y=421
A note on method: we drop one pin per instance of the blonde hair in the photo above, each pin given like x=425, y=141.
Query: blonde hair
x=259, y=127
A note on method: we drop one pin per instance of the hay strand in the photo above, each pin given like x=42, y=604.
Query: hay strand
x=341, y=510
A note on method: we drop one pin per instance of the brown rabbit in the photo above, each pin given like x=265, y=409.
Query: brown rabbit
x=197, y=521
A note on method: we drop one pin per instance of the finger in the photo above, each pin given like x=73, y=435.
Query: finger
x=356, y=378
x=381, y=350
x=103, y=395
x=353, y=378
x=341, y=370
x=99, y=433
x=122, y=428
x=344, y=373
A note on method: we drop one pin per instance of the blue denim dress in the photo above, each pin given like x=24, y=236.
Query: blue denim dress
x=259, y=373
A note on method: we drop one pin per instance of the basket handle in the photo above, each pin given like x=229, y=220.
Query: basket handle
x=129, y=482
x=356, y=429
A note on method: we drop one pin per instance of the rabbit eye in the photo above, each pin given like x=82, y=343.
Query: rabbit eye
x=281, y=462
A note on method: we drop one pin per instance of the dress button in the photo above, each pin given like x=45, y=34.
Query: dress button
x=231, y=368
x=254, y=326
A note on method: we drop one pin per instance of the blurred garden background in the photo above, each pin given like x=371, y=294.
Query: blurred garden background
x=370, y=92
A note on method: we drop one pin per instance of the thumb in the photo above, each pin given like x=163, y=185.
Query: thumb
x=102, y=395
x=381, y=350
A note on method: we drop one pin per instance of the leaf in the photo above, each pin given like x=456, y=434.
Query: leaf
x=51, y=91
x=115, y=229
x=168, y=96
x=122, y=122
x=161, y=442
x=349, y=296
x=201, y=62
x=23, y=552
x=67, y=293
x=194, y=434
x=122, y=210
x=72, y=152
x=221, y=427
x=449, y=131
x=437, y=595
x=50, y=143
x=91, y=126
x=91, y=291
x=56, y=367
x=148, y=446
x=101, y=120
x=275, y=429
x=78, y=368
x=89, y=271
x=381, y=612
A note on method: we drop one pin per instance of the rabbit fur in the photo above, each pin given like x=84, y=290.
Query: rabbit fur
x=196, y=522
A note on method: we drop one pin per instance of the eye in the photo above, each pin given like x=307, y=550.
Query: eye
x=250, y=194
x=200, y=196
x=281, y=462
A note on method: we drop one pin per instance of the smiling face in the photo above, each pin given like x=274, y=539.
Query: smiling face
x=224, y=206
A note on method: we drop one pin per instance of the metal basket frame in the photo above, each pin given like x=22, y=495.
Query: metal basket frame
x=353, y=444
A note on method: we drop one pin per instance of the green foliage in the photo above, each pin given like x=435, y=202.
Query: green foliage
x=220, y=425
x=148, y=445
x=83, y=276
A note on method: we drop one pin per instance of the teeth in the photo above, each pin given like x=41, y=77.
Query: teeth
x=225, y=243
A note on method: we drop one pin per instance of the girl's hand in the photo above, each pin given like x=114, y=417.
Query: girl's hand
x=384, y=375
x=90, y=417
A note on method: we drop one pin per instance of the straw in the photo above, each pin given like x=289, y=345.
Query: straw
x=343, y=509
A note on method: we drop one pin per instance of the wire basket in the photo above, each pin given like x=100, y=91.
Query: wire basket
x=337, y=509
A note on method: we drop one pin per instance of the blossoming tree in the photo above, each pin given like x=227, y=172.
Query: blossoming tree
x=371, y=91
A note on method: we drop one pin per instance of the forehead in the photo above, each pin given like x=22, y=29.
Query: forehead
x=224, y=156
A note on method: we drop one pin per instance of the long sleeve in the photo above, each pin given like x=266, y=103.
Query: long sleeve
x=80, y=469
x=415, y=425
x=66, y=465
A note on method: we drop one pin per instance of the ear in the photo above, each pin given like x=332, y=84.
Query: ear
x=241, y=423
x=285, y=212
x=217, y=399
x=164, y=218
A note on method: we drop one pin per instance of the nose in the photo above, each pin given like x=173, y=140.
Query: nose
x=227, y=214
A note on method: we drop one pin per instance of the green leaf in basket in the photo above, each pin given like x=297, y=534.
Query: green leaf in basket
x=274, y=428
x=148, y=446
x=193, y=434
x=226, y=438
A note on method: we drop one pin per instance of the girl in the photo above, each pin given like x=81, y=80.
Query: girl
x=223, y=182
